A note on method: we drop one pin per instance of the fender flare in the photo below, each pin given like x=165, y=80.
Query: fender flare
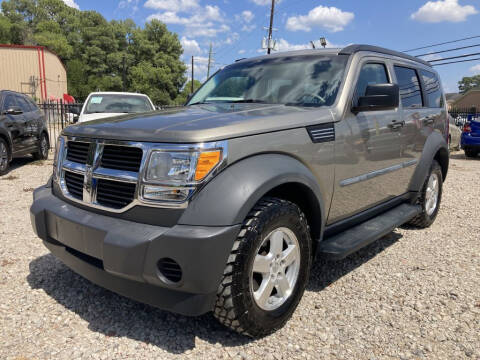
x=434, y=143
x=5, y=134
x=230, y=196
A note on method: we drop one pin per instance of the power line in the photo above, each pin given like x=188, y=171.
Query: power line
x=456, y=62
x=444, y=43
x=444, y=51
x=455, y=57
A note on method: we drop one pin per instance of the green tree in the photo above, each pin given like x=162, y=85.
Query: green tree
x=99, y=54
x=469, y=83
x=187, y=90
x=5, y=26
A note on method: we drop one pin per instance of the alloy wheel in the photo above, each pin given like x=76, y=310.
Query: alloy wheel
x=275, y=269
x=3, y=156
x=431, y=195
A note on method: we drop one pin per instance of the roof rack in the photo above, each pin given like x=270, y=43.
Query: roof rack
x=352, y=49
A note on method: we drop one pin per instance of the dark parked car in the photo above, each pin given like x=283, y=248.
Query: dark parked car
x=22, y=129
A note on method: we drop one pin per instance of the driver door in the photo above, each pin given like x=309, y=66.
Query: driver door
x=367, y=149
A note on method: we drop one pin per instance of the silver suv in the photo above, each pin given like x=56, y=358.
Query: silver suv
x=223, y=205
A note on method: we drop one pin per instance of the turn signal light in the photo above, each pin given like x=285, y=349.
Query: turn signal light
x=206, y=162
x=467, y=128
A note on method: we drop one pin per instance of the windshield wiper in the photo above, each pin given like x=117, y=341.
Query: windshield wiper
x=248, y=101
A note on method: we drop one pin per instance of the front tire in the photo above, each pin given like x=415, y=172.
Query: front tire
x=430, y=197
x=43, y=148
x=267, y=270
x=4, y=157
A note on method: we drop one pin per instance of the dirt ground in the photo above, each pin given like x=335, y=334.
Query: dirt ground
x=413, y=294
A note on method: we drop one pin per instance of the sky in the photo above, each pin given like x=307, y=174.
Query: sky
x=236, y=28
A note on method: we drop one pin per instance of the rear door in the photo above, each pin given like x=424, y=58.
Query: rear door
x=421, y=100
x=15, y=124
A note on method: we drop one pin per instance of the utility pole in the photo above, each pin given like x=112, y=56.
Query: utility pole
x=192, y=77
x=124, y=74
x=270, y=28
x=209, y=60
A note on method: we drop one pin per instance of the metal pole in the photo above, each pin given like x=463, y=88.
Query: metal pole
x=270, y=28
x=124, y=75
x=192, y=76
x=209, y=60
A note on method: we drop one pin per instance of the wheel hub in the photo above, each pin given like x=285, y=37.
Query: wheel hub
x=275, y=269
x=431, y=195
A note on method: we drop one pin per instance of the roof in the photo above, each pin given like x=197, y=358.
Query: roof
x=33, y=47
x=116, y=93
x=453, y=96
x=468, y=93
x=349, y=50
x=352, y=49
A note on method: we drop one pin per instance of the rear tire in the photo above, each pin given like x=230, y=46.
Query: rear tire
x=430, y=197
x=43, y=148
x=4, y=157
x=260, y=290
x=470, y=153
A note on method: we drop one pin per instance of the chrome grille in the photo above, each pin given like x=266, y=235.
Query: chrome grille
x=121, y=158
x=77, y=151
x=115, y=194
x=74, y=183
x=99, y=174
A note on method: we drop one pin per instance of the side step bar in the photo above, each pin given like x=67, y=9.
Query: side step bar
x=341, y=245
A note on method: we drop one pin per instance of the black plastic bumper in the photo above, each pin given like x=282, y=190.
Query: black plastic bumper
x=122, y=256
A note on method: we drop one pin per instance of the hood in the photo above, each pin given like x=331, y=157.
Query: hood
x=201, y=123
x=96, y=116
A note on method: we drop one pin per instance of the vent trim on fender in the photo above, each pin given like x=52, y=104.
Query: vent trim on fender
x=322, y=133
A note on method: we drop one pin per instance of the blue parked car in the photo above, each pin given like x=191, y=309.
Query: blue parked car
x=471, y=138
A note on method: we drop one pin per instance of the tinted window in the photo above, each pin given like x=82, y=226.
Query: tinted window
x=370, y=74
x=9, y=102
x=290, y=80
x=23, y=104
x=410, y=92
x=33, y=106
x=433, y=91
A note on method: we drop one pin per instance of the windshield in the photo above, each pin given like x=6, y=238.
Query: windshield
x=117, y=103
x=292, y=80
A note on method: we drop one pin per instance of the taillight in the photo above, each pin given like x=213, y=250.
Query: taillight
x=467, y=128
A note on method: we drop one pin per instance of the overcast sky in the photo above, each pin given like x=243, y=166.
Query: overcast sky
x=236, y=27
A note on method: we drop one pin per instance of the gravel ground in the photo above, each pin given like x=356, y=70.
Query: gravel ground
x=413, y=294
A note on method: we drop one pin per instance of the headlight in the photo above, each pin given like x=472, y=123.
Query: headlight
x=58, y=152
x=172, y=175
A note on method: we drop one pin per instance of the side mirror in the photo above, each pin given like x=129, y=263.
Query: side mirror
x=14, y=110
x=74, y=110
x=189, y=97
x=75, y=119
x=378, y=97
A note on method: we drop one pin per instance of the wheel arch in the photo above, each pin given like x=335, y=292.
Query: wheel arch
x=436, y=148
x=230, y=196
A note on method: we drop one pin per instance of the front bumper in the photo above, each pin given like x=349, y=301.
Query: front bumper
x=122, y=255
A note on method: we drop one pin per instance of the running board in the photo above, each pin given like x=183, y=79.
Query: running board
x=343, y=244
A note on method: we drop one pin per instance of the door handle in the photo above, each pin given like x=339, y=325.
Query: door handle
x=429, y=120
x=396, y=124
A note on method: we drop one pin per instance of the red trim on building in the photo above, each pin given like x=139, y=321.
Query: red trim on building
x=44, y=75
x=40, y=74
